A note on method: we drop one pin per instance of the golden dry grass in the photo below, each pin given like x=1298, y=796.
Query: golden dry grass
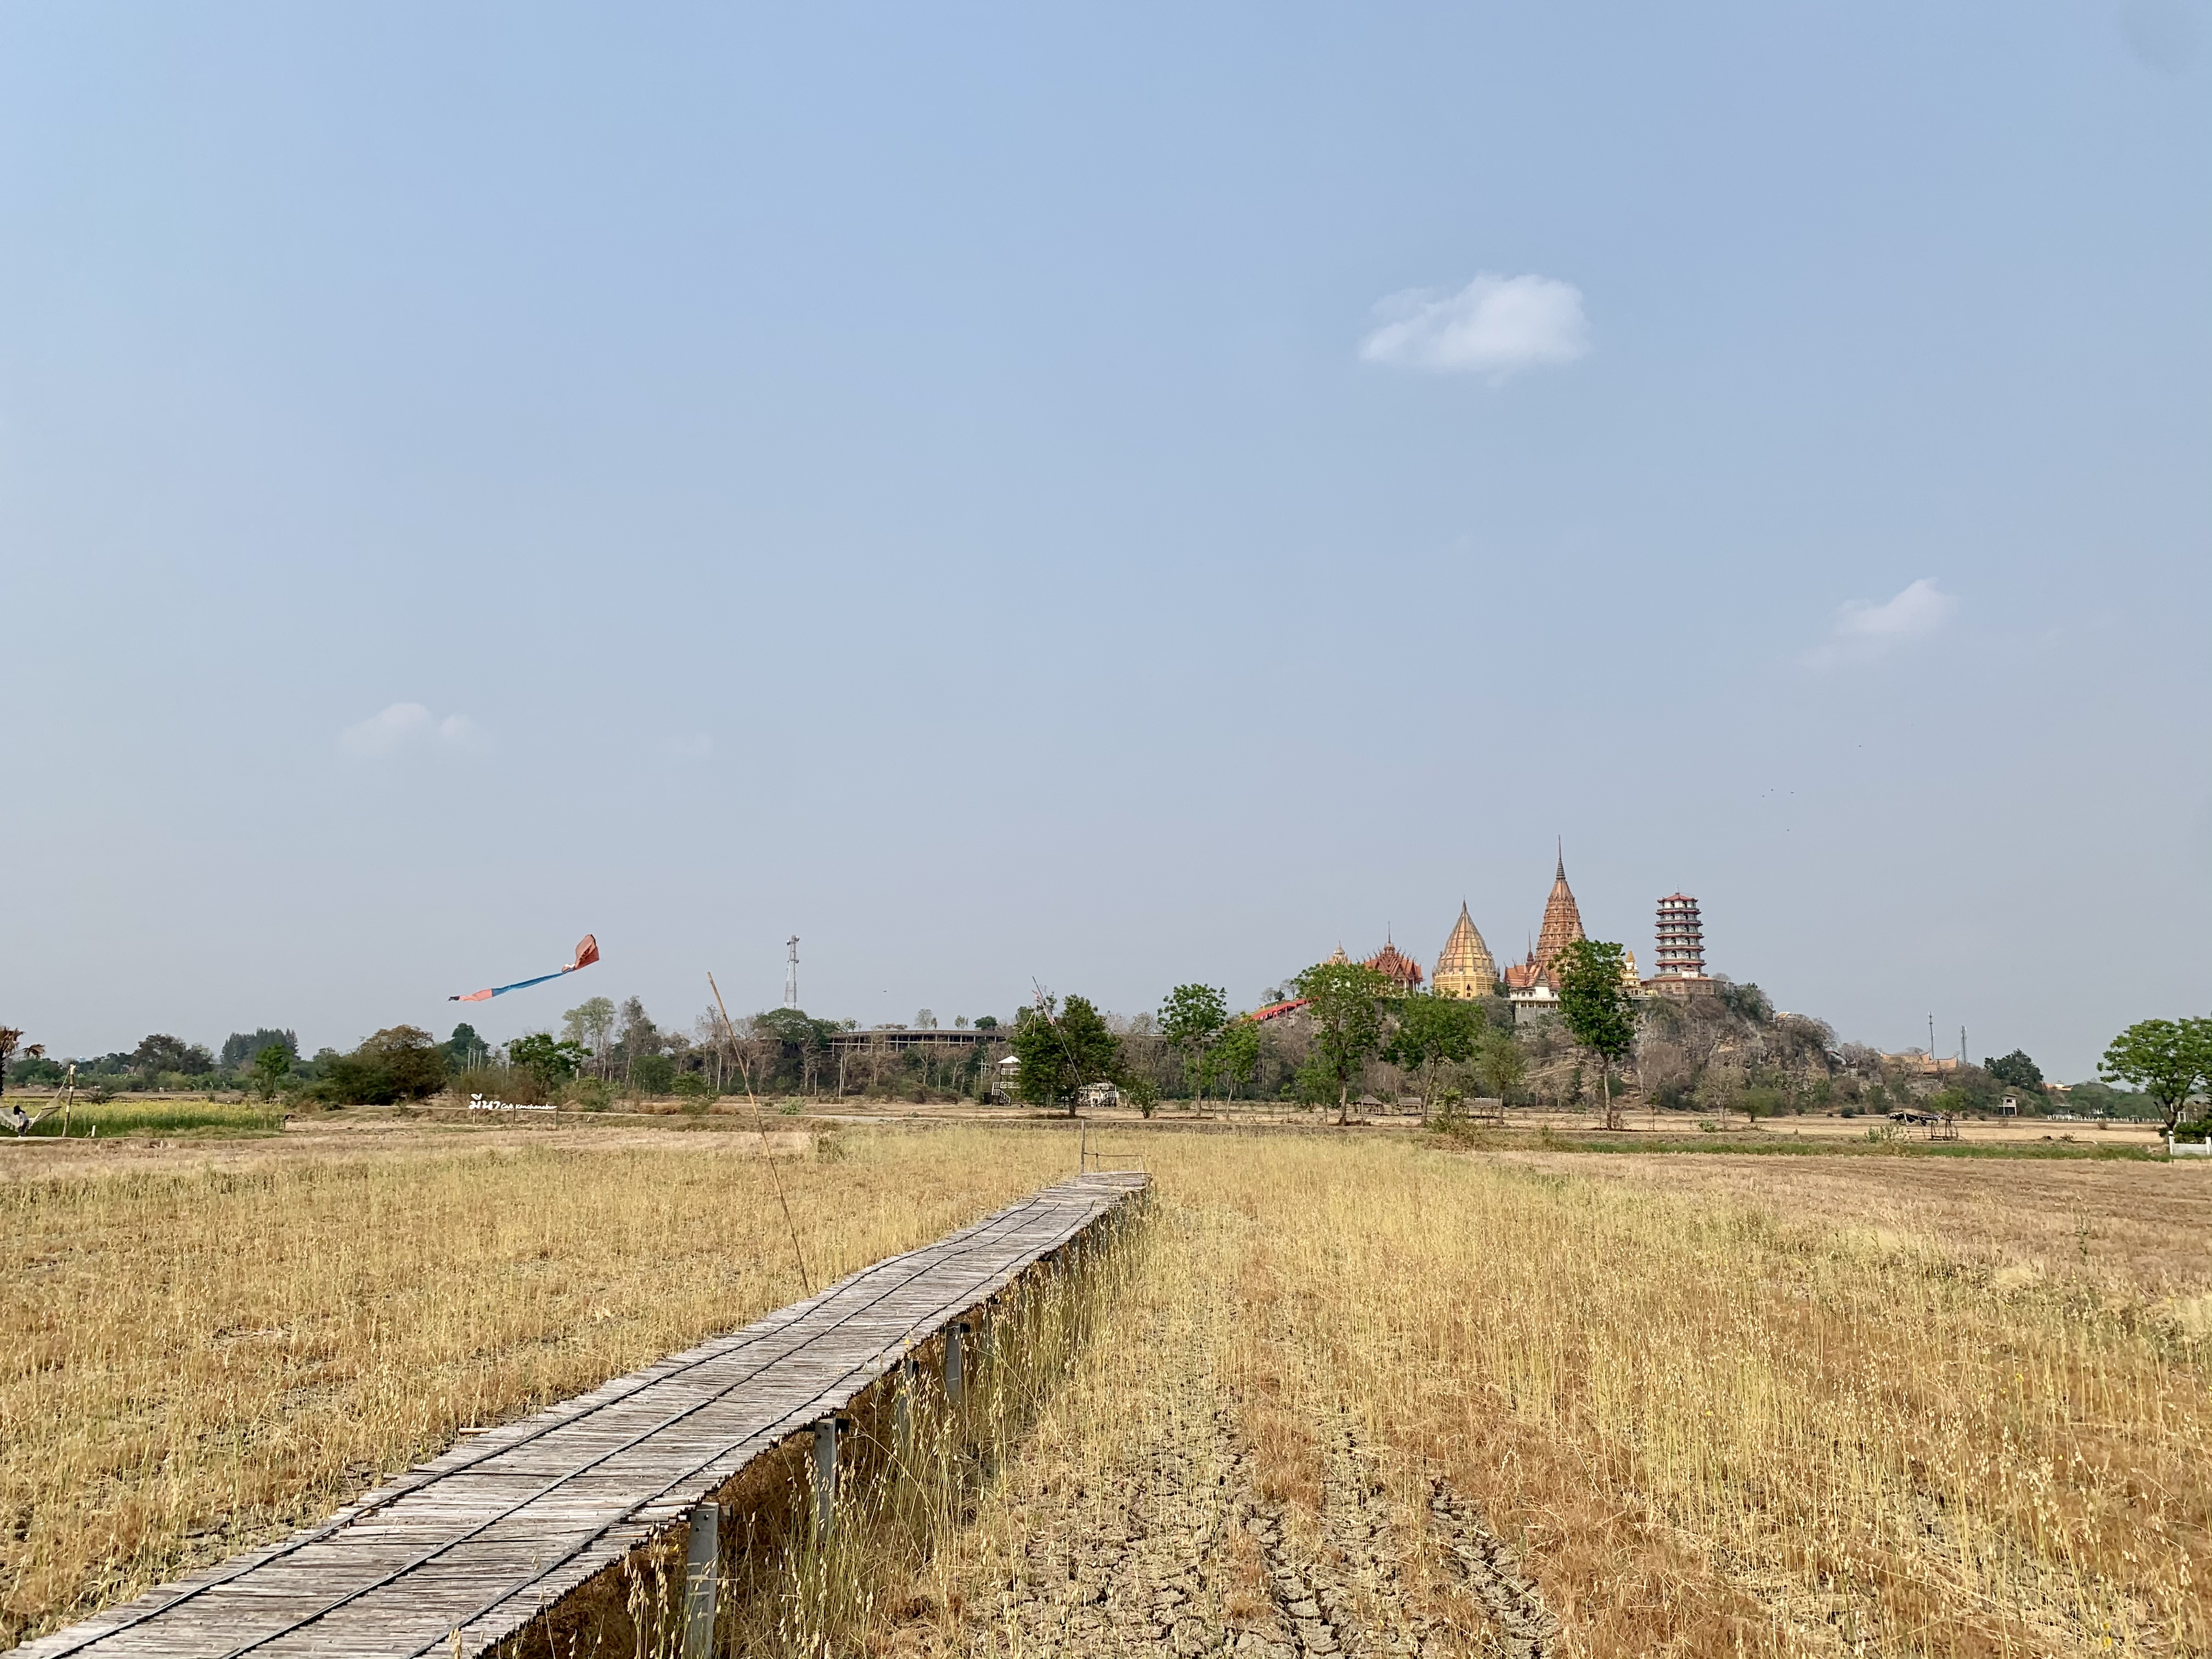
x=1716, y=1405
x=1710, y=1423
x=199, y=1356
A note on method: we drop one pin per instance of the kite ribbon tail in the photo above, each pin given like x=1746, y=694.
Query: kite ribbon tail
x=499, y=990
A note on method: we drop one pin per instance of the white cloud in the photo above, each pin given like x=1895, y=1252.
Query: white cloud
x=409, y=725
x=1864, y=632
x=1492, y=327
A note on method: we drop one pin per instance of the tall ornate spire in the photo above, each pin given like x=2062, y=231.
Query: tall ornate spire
x=1465, y=968
x=1563, y=923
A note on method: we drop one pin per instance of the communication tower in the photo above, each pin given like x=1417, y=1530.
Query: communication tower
x=791, y=975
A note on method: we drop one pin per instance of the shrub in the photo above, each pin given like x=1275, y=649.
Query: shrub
x=401, y=1062
x=589, y=1094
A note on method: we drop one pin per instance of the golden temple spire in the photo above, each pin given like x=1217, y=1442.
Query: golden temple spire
x=1466, y=968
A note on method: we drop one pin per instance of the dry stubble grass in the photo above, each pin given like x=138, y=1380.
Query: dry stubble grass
x=199, y=1358
x=1711, y=1428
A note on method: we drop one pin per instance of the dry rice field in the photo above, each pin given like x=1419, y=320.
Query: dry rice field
x=1357, y=1393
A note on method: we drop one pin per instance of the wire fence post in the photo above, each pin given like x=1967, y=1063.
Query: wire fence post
x=825, y=1475
x=702, y=1576
x=902, y=1412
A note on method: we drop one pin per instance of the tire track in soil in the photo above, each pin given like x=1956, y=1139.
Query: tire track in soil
x=1168, y=1564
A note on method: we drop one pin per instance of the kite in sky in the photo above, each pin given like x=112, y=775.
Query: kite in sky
x=587, y=952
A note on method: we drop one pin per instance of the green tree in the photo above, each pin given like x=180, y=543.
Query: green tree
x=243, y=1049
x=591, y=1026
x=1191, y=1020
x=465, y=1047
x=549, y=1059
x=1235, y=1056
x=1499, y=1065
x=1434, y=1031
x=1344, y=1002
x=401, y=1062
x=270, y=1067
x=1062, y=1047
x=2167, y=1060
x=159, y=1052
x=2017, y=1069
x=1595, y=1002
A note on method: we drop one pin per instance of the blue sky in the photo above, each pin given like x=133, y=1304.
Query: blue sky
x=1101, y=499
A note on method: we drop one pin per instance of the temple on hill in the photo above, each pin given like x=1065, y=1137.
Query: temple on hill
x=1401, y=969
x=1465, y=969
x=1563, y=926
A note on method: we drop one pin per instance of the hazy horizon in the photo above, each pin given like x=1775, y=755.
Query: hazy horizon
x=1104, y=500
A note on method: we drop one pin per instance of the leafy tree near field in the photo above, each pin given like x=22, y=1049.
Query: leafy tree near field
x=1434, y=1031
x=1499, y=1065
x=652, y=1074
x=591, y=1025
x=2168, y=1060
x=1233, y=1060
x=242, y=1049
x=1594, y=1003
x=465, y=1047
x=159, y=1052
x=792, y=1043
x=270, y=1067
x=1191, y=1019
x=549, y=1059
x=1062, y=1047
x=401, y=1062
x=2017, y=1069
x=1345, y=1006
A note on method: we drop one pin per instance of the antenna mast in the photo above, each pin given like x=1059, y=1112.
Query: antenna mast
x=791, y=975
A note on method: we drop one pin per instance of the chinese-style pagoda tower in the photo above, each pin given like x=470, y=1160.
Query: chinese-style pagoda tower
x=1562, y=925
x=1465, y=969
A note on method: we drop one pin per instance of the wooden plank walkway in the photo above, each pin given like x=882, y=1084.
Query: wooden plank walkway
x=482, y=1539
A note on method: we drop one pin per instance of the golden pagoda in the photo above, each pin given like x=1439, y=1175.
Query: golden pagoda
x=1465, y=969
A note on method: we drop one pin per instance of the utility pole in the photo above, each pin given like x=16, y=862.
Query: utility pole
x=791, y=975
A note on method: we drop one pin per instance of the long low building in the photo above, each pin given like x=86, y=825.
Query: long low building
x=917, y=1037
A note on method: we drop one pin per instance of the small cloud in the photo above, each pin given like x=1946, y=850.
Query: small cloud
x=2161, y=33
x=1494, y=325
x=409, y=725
x=1864, y=632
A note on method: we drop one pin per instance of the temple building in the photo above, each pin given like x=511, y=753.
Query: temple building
x=1682, y=952
x=1533, y=984
x=1465, y=969
x=1401, y=969
x=1563, y=926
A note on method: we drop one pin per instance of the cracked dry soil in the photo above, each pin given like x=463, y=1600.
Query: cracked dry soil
x=1182, y=1551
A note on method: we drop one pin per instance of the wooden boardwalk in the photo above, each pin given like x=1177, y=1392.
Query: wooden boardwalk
x=482, y=1539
